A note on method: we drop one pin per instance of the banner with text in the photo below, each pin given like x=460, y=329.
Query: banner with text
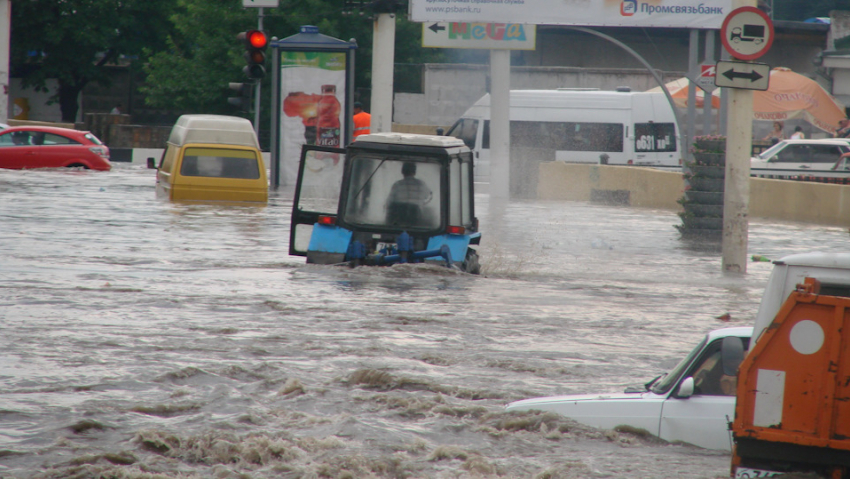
x=706, y=14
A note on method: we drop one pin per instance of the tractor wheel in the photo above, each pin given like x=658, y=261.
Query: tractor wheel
x=471, y=264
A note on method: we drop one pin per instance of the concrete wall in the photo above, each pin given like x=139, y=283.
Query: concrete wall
x=807, y=202
x=647, y=187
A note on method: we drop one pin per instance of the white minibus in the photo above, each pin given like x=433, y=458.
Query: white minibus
x=581, y=126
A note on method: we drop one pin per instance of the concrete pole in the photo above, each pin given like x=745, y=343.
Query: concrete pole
x=500, y=131
x=383, y=56
x=736, y=198
x=5, y=42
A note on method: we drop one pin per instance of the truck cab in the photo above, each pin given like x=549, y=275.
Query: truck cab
x=793, y=391
x=387, y=198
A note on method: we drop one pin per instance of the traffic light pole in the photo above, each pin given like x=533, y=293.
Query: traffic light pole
x=259, y=82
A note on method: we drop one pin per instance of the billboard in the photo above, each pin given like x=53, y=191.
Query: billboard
x=705, y=14
x=313, y=95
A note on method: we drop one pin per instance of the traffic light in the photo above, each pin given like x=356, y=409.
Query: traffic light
x=255, y=42
x=244, y=99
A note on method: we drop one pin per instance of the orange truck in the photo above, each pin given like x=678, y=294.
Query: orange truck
x=792, y=414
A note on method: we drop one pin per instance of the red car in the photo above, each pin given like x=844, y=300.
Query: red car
x=24, y=147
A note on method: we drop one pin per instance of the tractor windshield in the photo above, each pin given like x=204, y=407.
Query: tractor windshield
x=394, y=192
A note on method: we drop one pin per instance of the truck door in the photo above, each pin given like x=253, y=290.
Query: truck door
x=316, y=193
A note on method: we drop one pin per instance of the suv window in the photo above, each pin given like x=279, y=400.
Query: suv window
x=825, y=153
x=793, y=154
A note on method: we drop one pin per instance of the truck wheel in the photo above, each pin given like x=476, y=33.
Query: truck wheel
x=470, y=264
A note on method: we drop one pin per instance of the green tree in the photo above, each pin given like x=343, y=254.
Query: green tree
x=203, y=55
x=73, y=40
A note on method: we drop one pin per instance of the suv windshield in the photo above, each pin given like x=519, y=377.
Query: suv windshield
x=394, y=192
x=766, y=154
x=668, y=380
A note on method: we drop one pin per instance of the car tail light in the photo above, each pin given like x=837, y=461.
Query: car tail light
x=327, y=220
x=455, y=230
x=100, y=151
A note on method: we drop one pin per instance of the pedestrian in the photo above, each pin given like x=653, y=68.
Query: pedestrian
x=798, y=133
x=116, y=110
x=362, y=120
x=776, y=134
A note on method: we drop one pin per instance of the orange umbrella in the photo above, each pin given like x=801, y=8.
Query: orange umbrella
x=789, y=96
x=792, y=96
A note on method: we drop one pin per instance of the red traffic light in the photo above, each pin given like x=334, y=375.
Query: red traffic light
x=256, y=39
x=255, y=42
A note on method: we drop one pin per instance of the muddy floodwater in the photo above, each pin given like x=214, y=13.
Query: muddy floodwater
x=142, y=339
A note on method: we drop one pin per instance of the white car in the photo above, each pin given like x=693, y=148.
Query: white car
x=798, y=156
x=693, y=403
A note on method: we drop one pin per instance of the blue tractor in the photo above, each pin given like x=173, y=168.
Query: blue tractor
x=386, y=198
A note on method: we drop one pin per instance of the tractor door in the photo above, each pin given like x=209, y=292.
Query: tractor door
x=316, y=193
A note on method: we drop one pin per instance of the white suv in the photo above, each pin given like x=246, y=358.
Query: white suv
x=801, y=155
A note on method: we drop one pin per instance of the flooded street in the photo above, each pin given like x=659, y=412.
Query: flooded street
x=143, y=339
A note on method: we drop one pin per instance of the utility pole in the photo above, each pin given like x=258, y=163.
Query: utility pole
x=383, y=60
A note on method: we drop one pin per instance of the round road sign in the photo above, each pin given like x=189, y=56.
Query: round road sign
x=747, y=33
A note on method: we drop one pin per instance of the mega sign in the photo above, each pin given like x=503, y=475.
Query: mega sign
x=507, y=36
x=595, y=13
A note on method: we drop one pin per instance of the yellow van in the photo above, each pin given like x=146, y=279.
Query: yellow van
x=212, y=158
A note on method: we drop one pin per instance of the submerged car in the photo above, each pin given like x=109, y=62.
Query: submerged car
x=693, y=403
x=801, y=155
x=24, y=147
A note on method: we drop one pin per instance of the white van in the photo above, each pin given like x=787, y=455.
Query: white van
x=581, y=126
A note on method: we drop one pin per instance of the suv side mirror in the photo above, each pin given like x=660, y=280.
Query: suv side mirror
x=151, y=162
x=686, y=388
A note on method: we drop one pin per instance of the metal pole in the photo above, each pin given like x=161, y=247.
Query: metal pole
x=274, y=137
x=383, y=57
x=707, y=106
x=693, y=51
x=736, y=194
x=259, y=82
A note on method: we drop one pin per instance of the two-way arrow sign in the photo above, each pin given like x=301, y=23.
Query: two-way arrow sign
x=745, y=75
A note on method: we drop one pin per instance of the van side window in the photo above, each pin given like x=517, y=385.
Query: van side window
x=568, y=136
x=220, y=163
x=465, y=129
x=655, y=137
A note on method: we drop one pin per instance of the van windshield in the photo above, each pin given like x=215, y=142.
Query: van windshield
x=465, y=129
x=220, y=163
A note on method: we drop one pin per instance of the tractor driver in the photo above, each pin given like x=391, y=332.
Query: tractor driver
x=407, y=197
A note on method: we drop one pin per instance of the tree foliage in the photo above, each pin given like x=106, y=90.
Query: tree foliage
x=73, y=40
x=203, y=55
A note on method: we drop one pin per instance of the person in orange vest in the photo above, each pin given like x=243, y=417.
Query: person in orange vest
x=362, y=120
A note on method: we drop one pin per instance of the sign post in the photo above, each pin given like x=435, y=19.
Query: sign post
x=747, y=33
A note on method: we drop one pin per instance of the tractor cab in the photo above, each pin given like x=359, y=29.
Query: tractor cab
x=387, y=198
